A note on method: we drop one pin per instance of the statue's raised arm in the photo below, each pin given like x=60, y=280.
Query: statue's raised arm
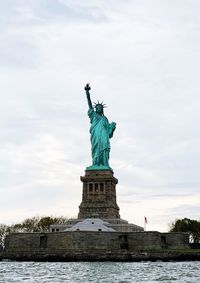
x=87, y=89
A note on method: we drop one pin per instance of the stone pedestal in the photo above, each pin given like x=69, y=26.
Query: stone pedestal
x=99, y=195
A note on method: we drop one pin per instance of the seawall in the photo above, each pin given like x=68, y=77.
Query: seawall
x=98, y=246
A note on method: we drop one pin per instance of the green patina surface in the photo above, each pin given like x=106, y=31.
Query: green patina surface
x=101, y=131
x=100, y=167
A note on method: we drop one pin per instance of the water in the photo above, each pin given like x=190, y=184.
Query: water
x=99, y=272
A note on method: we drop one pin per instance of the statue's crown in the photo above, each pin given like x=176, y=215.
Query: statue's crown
x=100, y=103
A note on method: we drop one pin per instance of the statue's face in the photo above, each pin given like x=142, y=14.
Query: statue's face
x=99, y=109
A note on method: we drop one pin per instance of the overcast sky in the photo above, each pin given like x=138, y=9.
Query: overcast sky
x=142, y=58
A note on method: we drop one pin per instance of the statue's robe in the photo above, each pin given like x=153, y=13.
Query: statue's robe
x=100, y=133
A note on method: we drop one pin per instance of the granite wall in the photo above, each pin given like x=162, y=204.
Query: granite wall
x=81, y=245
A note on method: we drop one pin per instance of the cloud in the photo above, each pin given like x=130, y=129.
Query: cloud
x=141, y=58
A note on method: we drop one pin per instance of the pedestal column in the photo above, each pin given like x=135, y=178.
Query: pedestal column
x=99, y=195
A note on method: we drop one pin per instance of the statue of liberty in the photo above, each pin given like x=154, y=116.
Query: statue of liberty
x=100, y=133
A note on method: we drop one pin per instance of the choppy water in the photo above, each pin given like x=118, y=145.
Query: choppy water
x=100, y=272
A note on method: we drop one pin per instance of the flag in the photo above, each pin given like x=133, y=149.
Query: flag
x=145, y=220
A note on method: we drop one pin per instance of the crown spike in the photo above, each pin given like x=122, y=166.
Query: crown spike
x=100, y=103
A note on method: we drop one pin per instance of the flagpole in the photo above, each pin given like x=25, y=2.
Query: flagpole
x=145, y=224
